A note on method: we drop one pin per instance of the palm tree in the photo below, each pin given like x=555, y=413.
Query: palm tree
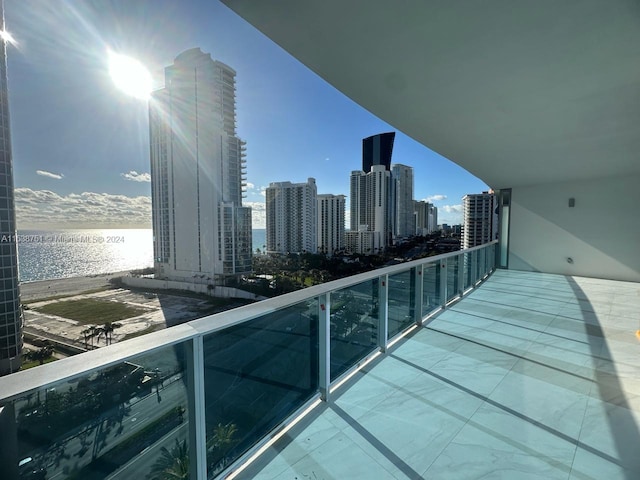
x=219, y=443
x=108, y=329
x=173, y=464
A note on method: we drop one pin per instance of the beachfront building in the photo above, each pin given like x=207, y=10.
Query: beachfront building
x=10, y=309
x=202, y=233
x=291, y=217
x=331, y=209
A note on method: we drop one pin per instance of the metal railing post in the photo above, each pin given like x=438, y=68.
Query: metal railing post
x=474, y=268
x=324, y=350
x=461, y=272
x=418, y=297
x=443, y=282
x=197, y=410
x=383, y=312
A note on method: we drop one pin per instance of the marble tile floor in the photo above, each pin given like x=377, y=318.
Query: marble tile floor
x=531, y=376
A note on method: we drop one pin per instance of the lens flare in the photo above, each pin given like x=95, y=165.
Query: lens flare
x=7, y=37
x=129, y=75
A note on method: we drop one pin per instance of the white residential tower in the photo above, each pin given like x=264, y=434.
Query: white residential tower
x=202, y=233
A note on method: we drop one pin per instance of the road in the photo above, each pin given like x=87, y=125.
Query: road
x=112, y=428
x=140, y=466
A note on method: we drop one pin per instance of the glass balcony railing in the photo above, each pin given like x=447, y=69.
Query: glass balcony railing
x=195, y=400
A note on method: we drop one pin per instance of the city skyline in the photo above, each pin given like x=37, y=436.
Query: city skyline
x=89, y=167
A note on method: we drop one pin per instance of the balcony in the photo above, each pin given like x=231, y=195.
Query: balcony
x=530, y=374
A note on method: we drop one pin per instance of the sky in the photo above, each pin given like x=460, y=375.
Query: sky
x=81, y=146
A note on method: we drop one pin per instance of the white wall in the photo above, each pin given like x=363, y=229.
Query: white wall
x=218, y=292
x=601, y=233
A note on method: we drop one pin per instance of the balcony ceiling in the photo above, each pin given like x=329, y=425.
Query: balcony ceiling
x=518, y=93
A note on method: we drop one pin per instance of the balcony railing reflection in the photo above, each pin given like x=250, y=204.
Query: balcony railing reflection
x=197, y=399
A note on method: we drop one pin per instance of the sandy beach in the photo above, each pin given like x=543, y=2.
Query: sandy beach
x=43, y=289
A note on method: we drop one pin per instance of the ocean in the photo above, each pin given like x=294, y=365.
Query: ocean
x=46, y=254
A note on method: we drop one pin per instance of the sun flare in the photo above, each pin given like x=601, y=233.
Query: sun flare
x=7, y=37
x=130, y=75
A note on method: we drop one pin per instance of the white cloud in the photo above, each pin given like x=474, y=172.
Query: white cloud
x=450, y=214
x=263, y=191
x=451, y=208
x=258, y=214
x=44, y=173
x=250, y=186
x=136, y=177
x=47, y=209
x=435, y=198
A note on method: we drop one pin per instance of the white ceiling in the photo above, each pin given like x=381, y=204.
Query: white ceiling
x=517, y=92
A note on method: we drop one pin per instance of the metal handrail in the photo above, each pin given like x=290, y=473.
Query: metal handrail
x=14, y=385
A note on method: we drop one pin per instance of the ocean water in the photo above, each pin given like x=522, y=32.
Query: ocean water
x=46, y=254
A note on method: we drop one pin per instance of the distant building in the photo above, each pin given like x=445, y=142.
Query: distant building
x=330, y=229
x=401, y=199
x=10, y=310
x=480, y=219
x=359, y=202
x=202, y=233
x=370, y=206
x=362, y=242
x=377, y=150
x=426, y=217
x=432, y=218
x=291, y=210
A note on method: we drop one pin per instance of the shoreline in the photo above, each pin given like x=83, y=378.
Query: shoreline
x=42, y=289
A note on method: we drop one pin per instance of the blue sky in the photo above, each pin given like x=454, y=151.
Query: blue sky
x=80, y=146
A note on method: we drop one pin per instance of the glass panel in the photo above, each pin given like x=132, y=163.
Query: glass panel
x=505, y=200
x=98, y=425
x=430, y=288
x=468, y=273
x=354, y=325
x=401, y=301
x=256, y=374
x=452, y=277
x=491, y=258
x=482, y=266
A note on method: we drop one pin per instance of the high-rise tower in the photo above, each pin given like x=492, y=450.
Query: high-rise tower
x=330, y=223
x=10, y=310
x=292, y=217
x=401, y=198
x=370, y=208
x=376, y=150
x=480, y=219
x=201, y=231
